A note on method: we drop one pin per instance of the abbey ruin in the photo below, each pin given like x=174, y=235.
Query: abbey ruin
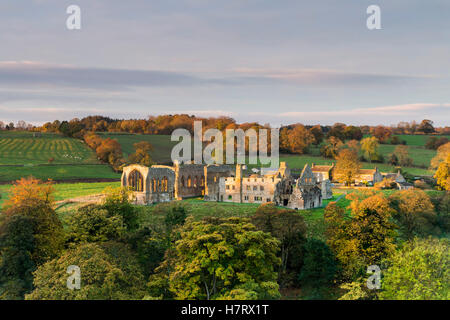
x=223, y=183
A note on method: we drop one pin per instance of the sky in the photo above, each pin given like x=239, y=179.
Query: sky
x=276, y=62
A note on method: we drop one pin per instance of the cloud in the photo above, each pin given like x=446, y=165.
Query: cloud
x=32, y=73
x=323, y=77
x=396, y=110
x=13, y=73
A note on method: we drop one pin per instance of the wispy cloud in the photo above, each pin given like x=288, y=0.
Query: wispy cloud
x=32, y=73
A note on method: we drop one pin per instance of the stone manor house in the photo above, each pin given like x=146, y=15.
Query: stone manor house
x=160, y=183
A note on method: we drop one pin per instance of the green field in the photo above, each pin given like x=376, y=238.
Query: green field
x=162, y=146
x=22, y=155
x=68, y=190
x=18, y=147
x=416, y=139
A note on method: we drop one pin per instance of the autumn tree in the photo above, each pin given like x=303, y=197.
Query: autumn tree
x=426, y=126
x=347, y=166
x=30, y=234
x=296, y=140
x=32, y=198
x=414, y=214
x=371, y=225
x=363, y=239
x=331, y=147
x=353, y=145
x=317, y=132
x=353, y=133
x=442, y=154
x=344, y=247
x=369, y=146
x=434, y=143
x=443, y=174
x=141, y=154
x=110, y=152
x=402, y=154
x=337, y=130
x=382, y=133
x=224, y=259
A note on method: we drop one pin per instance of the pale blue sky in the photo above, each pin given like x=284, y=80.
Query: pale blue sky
x=255, y=60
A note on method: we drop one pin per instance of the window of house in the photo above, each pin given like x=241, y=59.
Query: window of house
x=268, y=200
x=227, y=187
x=230, y=197
x=234, y=187
x=248, y=187
x=255, y=188
x=261, y=188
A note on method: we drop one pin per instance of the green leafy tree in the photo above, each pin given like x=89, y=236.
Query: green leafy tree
x=223, y=258
x=108, y=272
x=418, y=271
x=117, y=203
x=288, y=227
x=17, y=244
x=319, y=267
x=91, y=223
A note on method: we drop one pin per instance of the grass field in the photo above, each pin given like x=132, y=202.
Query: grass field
x=72, y=158
x=417, y=140
x=18, y=147
x=162, y=146
x=68, y=190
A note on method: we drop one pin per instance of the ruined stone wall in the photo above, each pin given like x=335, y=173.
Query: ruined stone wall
x=283, y=191
x=305, y=198
x=157, y=182
x=212, y=174
x=189, y=180
x=327, y=193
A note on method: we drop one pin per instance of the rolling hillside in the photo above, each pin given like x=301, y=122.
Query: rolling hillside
x=50, y=156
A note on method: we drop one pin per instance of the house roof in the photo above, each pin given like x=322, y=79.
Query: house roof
x=321, y=168
x=367, y=171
